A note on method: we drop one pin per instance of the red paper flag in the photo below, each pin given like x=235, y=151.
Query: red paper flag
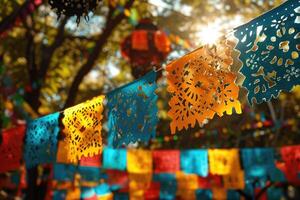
x=210, y=181
x=93, y=161
x=116, y=177
x=166, y=161
x=291, y=156
x=152, y=193
x=11, y=148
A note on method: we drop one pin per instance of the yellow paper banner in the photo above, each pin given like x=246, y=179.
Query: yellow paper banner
x=223, y=161
x=139, y=161
x=83, y=129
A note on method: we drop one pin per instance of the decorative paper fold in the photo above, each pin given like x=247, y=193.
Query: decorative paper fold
x=257, y=162
x=201, y=85
x=223, y=161
x=166, y=161
x=11, y=148
x=114, y=159
x=269, y=47
x=194, y=162
x=139, y=161
x=82, y=129
x=41, y=140
x=132, y=112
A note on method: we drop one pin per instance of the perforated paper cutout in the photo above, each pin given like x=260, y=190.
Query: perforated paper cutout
x=11, y=148
x=41, y=140
x=201, y=85
x=139, y=161
x=223, y=161
x=194, y=162
x=166, y=161
x=83, y=129
x=269, y=47
x=114, y=159
x=132, y=112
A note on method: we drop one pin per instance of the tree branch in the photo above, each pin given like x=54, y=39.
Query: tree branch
x=86, y=68
x=49, y=51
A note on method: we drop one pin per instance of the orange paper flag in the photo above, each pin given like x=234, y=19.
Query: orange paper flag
x=83, y=129
x=201, y=85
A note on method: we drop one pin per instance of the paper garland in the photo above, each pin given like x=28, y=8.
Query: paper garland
x=139, y=161
x=11, y=148
x=269, y=47
x=41, y=140
x=132, y=112
x=83, y=129
x=194, y=162
x=201, y=85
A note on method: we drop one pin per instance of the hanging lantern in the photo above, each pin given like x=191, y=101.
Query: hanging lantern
x=74, y=7
x=145, y=47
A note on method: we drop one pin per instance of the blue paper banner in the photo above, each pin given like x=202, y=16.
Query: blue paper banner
x=102, y=189
x=91, y=173
x=59, y=195
x=87, y=192
x=194, y=162
x=41, y=140
x=132, y=112
x=64, y=172
x=168, y=185
x=269, y=47
x=233, y=195
x=114, y=159
x=204, y=194
x=257, y=162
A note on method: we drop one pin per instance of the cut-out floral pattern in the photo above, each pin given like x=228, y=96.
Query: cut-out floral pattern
x=270, y=47
x=41, y=140
x=201, y=85
x=83, y=129
x=132, y=112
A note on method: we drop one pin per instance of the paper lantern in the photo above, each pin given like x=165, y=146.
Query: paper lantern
x=71, y=8
x=144, y=47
